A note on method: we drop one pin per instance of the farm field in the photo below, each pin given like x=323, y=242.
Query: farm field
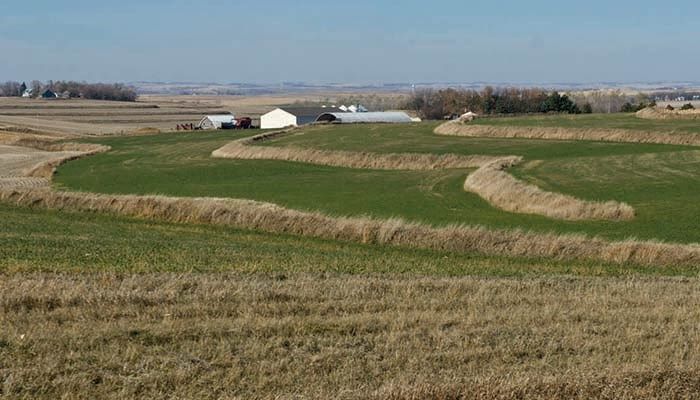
x=101, y=305
x=106, y=306
x=659, y=181
x=70, y=118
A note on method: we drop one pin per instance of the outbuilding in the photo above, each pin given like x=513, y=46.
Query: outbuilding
x=222, y=121
x=283, y=117
x=49, y=94
x=388, y=117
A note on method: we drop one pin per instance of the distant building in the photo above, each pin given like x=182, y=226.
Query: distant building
x=23, y=88
x=27, y=93
x=49, y=94
x=293, y=116
x=223, y=121
x=389, y=117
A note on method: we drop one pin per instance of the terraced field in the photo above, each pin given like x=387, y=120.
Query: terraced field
x=180, y=165
x=105, y=296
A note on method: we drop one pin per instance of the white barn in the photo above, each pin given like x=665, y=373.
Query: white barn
x=216, y=121
x=388, y=117
x=292, y=116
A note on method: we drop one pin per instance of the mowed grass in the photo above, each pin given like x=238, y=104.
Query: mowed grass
x=665, y=198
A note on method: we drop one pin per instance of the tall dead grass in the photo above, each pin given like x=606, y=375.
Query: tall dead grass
x=659, y=113
x=244, y=149
x=456, y=128
x=502, y=190
x=46, y=169
x=65, y=151
x=271, y=218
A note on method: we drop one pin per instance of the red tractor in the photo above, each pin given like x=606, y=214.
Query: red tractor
x=243, y=123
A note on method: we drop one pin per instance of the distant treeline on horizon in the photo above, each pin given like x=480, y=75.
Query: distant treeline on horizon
x=70, y=89
x=439, y=104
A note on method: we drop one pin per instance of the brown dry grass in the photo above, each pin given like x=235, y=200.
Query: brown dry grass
x=243, y=149
x=455, y=128
x=502, y=190
x=231, y=336
x=29, y=161
x=271, y=218
x=660, y=113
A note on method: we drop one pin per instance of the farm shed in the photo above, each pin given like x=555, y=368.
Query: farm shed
x=293, y=116
x=389, y=117
x=49, y=94
x=217, y=121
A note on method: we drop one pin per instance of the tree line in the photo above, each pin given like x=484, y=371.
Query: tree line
x=447, y=103
x=72, y=89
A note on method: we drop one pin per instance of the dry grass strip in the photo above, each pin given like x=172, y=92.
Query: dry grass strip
x=659, y=113
x=64, y=152
x=456, y=128
x=502, y=190
x=490, y=181
x=244, y=149
x=328, y=336
x=266, y=217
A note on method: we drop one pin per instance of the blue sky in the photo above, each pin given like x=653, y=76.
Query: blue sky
x=356, y=41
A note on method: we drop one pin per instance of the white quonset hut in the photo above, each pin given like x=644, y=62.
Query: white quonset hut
x=389, y=117
x=292, y=116
x=217, y=121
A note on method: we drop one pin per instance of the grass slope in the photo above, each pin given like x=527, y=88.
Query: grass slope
x=33, y=240
x=180, y=165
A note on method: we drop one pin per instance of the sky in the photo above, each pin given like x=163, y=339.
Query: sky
x=353, y=41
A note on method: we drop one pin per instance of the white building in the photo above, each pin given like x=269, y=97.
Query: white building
x=388, y=117
x=216, y=121
x=292, y=116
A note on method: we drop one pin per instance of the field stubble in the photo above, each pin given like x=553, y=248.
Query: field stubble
x=323, y=335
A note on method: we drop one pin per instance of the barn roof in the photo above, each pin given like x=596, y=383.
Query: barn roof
x=394, y=117
x=300, y=111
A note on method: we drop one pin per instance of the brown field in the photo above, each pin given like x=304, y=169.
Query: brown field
x=320, y=336
x=254, y=106
x=661, y=113
x=75, y=118
x=18, y=166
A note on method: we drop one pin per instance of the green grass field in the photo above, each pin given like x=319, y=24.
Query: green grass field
x=659, y=181
x=34, y=240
